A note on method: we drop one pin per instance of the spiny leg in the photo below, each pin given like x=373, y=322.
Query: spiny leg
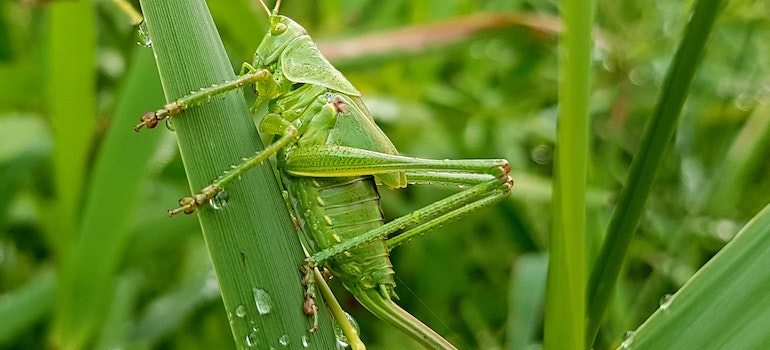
x=342, y=161
x=151, y=119
x=426, y=218
x=273, y=124
x=350, y=332
x=188, y=205
x=310, y=307
x=314, y=278
x=489, y=178
x=448, y=217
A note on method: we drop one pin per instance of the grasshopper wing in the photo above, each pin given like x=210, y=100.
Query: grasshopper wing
x=356, y=128
x=302, y=62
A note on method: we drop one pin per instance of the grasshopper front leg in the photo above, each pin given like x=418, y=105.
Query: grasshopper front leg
x=317, y=109
x=249, y=75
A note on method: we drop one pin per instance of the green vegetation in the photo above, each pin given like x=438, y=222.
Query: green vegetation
x=89, y=257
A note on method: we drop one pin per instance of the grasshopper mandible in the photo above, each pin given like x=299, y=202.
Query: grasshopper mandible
x=330, y=156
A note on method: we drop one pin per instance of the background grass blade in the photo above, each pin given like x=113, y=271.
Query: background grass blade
x=723, y=306
x=745, y=156
x=527, y=292
x=644, y=168
x=26, y=305
x=487, y=88
x=252, y=243
x=565, y=292
x=113, y=200
x=73, y=115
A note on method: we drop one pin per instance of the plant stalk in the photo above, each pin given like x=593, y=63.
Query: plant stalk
x=251, y=240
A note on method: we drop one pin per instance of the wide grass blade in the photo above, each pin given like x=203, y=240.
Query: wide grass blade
x=647, y=161
x=251, y=239
x=725, y=305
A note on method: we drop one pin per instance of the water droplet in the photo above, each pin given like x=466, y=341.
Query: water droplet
x=628, y=338
x=342, y=340
x=542, y=154
x=262, y=300
x=142, y=35
x=252, y=340
x=170, y=125
x=220, y=200
x=240, y=311
x=665, y=301
x=744, y=101
x=284, y=340
x=305, y=341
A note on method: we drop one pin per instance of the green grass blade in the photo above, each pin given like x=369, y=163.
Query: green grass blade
x=565, y=291
x=117, y=324
x=725, y=305
x=646, y=162
x=87, y=278
x=71, y=92
x=746, y=155
x=251, y=241
x=23, y=307
x=527, y=293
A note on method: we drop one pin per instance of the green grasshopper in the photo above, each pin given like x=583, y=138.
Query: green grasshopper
x=330, y=157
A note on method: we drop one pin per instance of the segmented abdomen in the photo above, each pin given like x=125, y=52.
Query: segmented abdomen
x=331, y=210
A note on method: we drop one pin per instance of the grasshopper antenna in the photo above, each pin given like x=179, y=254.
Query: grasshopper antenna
x=277, y=5
x=264, y=6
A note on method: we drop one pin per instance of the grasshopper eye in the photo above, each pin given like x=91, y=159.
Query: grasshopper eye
x=279, y=28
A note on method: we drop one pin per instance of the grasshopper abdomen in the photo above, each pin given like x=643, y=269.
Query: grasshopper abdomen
x=332, y=210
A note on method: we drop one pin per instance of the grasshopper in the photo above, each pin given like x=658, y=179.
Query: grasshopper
x=331, y=156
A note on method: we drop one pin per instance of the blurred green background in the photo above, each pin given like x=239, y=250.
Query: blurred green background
x=444, y=79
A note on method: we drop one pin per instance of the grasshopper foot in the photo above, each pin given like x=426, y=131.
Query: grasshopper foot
x=506, y=177
x=151, y=119
x=188, y=205
x=309, y=306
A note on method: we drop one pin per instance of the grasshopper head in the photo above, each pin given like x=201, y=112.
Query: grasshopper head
x=282, y=32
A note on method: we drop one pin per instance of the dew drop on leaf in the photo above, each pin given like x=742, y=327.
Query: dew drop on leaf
x=252, y=340
x=220, y=200
x=240, y=311
x=342, y=340
x=142, y=35
x=170, y=125
x=665, y=301
x=284, y=340
x=262, y=300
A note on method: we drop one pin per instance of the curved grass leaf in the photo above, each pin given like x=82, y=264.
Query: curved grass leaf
x=647, y=161
x=725, y=305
